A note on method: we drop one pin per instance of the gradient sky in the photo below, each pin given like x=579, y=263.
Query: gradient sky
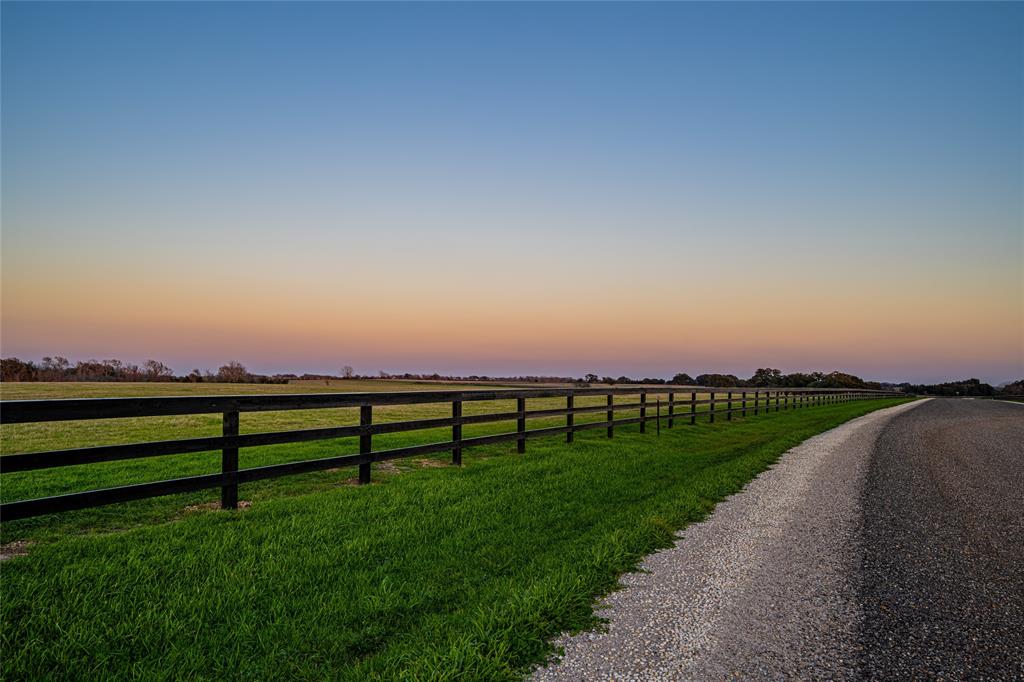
x=534, y=188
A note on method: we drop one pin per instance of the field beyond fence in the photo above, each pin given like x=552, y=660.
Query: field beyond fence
x=556, y=412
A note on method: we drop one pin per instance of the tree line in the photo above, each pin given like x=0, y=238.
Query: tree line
x=966, y=387
x=765, y=377
x=59, y=368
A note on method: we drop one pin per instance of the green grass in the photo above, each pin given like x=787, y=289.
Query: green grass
x=432, y=573
x=15, y=438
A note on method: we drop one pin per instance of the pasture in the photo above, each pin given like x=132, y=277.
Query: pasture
x=37, y=437
x=431, y=572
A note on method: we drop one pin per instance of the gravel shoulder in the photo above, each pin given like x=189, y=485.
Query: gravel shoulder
x=766, y=586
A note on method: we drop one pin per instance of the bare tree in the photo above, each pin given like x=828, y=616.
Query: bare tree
x=347, y=372
x=233, y=373
x=156, y=370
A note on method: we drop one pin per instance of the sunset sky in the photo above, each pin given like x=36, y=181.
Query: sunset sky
x=635, y=189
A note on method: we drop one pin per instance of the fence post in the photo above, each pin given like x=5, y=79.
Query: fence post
x=457, y=432
x=611, y=417
x=671, y=408
x=643, y=412
x=776, y=401
x=657, y=422
x=693, y=407
x=743, y=399
x=568, y=419
x=365, y=442
x=521, y=425
x=711, y=409
x=229, y=464
x=728, y=407
x=757, y=395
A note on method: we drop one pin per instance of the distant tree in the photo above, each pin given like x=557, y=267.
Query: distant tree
x=797, y=380
x=54, y=369
x=591, y=379
x=13, y=369
x=683, y=379
x=157, y=371
x=347, y=372
x=722, y=380
x=1013, y=388
x=766, y=377
x=233, y=373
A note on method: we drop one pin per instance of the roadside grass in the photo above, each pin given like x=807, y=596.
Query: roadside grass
x=437, y=573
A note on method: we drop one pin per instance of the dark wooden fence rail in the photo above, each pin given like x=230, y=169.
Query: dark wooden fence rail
x=229, y=443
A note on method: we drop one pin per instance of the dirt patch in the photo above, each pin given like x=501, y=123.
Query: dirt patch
x=431, y=463
x=13, y=549
x=378, y=467
x=213, y=506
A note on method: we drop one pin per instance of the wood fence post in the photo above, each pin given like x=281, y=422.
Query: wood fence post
x=229, y=464
x=569, y=418
x=757, y=395
x=728, y=407
x=693, y=407
x=521, y=425
x=365, y=442
x=671, y=408
x=457, y=432
x=743, y=400
x=611, y=416
x=711, y=409
x=643, y=412
x=657, y=422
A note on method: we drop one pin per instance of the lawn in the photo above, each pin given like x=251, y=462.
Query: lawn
x=434, y=572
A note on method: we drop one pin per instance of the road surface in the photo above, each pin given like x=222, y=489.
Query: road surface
x=891, y=547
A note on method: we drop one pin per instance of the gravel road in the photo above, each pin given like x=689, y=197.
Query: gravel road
x=839, y=563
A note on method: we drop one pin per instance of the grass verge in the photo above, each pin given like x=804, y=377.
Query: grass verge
x=432, y=574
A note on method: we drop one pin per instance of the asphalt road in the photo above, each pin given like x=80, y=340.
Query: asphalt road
x=891, y=547
x=942, y=576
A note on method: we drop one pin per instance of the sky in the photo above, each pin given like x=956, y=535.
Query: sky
x=542, y=188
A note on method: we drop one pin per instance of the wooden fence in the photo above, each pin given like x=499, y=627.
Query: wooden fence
x=720, y=403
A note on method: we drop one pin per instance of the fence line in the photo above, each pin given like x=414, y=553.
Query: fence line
x=230, y=441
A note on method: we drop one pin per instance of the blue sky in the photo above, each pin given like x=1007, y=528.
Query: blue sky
x=330, y=158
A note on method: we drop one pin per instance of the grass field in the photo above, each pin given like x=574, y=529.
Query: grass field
x=433, y=572
x=16, y=438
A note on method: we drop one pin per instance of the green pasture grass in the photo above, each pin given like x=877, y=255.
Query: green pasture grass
x=18, y=438
x=40, y=390
x=431, y=573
